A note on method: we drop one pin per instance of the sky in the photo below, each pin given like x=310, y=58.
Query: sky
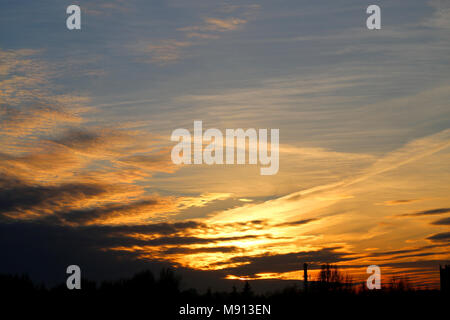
x=86, y=117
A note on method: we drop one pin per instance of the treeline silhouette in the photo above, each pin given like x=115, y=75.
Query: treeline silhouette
x=161, y=296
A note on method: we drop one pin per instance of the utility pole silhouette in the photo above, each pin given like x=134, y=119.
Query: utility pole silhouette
x=305, y=276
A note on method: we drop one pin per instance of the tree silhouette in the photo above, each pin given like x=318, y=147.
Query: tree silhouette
x=247, y=290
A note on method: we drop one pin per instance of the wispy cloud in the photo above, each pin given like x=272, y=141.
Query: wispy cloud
x=167, y=51
x=441, y=15
x=399, y=202
x=164, y=51
x=218, y=25
x=101, y=8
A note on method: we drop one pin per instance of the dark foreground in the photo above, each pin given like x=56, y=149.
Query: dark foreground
x=145, y=297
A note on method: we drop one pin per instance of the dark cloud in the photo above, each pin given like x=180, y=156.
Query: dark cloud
x=398, y=202
x=294, y=197
x=184, y=250
x=60, y=204
x=101, y=238
x=406, y=252
x=423, y=254
x=36, y=116
x=251, y=223
x=419, y=264
x=427, y=212
x=103, y=212
x=285, y=262
x=440, y=237
x=296, y=223
x=44, y=252
x=158, y=161
x=180, y=240
x=17, y=196
x=443, y=221
x=247, y=225
x=156, y=228
x=401, y=201
x=80, y=139
x=393, y=252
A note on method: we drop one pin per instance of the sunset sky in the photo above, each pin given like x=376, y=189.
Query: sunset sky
x=86, y=117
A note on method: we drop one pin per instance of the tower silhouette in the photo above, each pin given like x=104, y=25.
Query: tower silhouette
x=445, y=278
x=305, y=276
